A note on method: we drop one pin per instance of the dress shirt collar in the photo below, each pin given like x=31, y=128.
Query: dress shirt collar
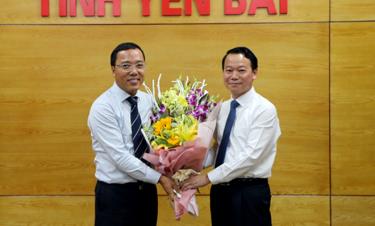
x=247, y=98
x=120, y=93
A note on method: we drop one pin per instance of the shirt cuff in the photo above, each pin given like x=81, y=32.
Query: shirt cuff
x=152, y=176
x=215, y=176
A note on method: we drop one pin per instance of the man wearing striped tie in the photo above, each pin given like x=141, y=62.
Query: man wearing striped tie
x=125, y=193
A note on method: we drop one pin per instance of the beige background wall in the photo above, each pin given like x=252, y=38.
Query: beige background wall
x=316, y=66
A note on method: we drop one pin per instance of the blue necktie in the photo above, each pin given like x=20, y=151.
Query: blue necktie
x=225, y=139
x=139, y=142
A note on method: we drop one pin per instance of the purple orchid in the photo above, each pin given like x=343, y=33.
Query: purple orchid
x=192, y=99
x=162, y=109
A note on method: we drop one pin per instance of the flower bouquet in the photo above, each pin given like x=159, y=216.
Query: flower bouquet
x=183, y=122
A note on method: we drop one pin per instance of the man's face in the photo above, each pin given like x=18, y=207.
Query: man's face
x=129, y=70
x=238, y=75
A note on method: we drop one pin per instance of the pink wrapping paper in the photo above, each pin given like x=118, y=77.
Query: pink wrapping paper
x=188, y=156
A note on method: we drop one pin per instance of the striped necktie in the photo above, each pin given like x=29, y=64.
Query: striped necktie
x=139, y=142
x=225, y=139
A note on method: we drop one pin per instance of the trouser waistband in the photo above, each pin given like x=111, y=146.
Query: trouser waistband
x=245, y=181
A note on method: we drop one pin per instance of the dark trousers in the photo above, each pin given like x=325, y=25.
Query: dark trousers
x=130, y=204
x=241, y=202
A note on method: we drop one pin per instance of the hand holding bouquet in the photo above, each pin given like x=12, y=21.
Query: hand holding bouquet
x=183, y=122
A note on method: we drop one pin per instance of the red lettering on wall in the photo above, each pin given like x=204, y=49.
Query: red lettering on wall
x=62, y=8
x=203, y=7
x=97, y=7
x=229, y=9
x=88, y=7
x=116, y=7
x=262, y=4
x=45, y=8
x=168, y=11
x=73, y=7
x=145, y=7
x=283, y=6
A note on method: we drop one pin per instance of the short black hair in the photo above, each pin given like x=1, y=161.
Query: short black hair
x=244, y=51
x=124, y=46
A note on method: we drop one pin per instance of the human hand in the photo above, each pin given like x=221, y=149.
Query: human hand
x=195, y=182
x=183, y=174
x=169, y=186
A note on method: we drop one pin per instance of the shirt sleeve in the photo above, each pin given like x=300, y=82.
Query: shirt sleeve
x=209, y=160
x=261, y=143
x=105, y=129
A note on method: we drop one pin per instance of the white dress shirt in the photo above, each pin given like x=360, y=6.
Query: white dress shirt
x=252, y=144
x=111, y=133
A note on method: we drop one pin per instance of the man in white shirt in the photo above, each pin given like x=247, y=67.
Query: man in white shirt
x=125, y=193
x=247, y=133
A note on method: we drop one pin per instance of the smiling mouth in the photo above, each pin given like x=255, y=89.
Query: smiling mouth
x=132, y=80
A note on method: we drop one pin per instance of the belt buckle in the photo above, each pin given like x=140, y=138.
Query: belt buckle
x=225, y=184
x=248, y=179
x=140, y=186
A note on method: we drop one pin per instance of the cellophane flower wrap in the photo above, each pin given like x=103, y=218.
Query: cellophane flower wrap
x=182, y=126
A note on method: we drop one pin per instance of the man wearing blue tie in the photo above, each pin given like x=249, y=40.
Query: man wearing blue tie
x=125, y=193
x=247, y=133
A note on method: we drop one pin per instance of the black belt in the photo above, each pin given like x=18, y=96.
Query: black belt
x=245, y=181
x=138, y=184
